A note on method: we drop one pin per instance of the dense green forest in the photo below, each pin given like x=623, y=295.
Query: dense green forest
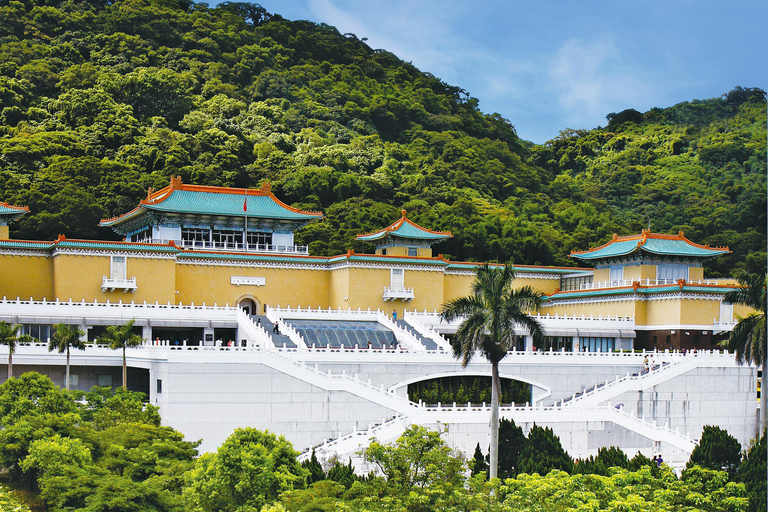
x=100, y=100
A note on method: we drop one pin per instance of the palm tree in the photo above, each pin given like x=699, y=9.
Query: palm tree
x=490, y=316
x=66, y=336
x=747, y=339
x=9, y=335
x=120, y=337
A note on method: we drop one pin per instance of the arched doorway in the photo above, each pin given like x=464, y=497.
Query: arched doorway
x=250, y=304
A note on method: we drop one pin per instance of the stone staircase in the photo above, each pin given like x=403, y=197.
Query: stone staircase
x=426, y=342
x=280, y=340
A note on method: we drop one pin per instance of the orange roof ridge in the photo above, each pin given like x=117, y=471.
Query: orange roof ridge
x=399, y=222
x=13, y=207
x=155, y=197
x=643, y=237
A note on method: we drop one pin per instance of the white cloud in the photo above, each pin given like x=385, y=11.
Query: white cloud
x=592, y=77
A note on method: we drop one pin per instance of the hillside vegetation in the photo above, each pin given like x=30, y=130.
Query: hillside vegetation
x=99, y=101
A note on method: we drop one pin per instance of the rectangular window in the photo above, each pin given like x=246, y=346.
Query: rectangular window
x=259, y=241
x=668, y=273
x=557, y=343
x=668, y=339
x=74, y=379
x=159, y=386
x=616, y=275
x=655, y=340
x=227, y=238
x=574, y=283
x=41, y=332
x=142, y=236
x=118, y=268
x=726, y=313
x=396, y=280
x=412, y=251
x=597, y=344
x=195, y=237
x=696, y=339
x=104, y=381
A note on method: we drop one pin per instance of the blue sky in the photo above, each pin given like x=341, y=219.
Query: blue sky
x=550, y=65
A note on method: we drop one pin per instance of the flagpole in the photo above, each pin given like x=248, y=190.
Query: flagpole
x=245, y=210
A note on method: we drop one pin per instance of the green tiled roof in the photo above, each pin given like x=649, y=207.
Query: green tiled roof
x=665, y=245
x=407, y=229
x=10, y=212
x=231, y=205
x=6, y=209
x=216, y=201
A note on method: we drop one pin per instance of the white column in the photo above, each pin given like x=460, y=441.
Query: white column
x=529, y=342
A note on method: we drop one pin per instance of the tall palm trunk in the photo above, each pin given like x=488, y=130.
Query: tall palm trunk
x=67, y=375
x=763, y=403
x=495, y=392
x=125, y=372
x=10, y=364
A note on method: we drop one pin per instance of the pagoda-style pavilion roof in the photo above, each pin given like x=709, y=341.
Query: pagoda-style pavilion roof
x=10, y=213
x=652, y=243
x=198, y=200
x=407, y=229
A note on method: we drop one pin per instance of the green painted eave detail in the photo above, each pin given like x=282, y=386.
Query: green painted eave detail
x=114, y=246
x=230, y=205
x=5, y=210
x=24, y=244
x=628, y=290
x=375, y=258
x=199, y=255
x=518, y=269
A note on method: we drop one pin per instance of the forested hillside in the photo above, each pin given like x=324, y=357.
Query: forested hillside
x=99, y=101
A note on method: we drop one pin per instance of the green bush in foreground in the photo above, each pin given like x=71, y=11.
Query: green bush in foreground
x=9, y=503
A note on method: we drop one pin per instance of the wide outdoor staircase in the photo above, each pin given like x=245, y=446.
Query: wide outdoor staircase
x=353, y=443
x=279, y=340
x=426, y=342
x=608, y=390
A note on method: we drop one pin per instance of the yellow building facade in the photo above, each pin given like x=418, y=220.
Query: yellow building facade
x=206, y=245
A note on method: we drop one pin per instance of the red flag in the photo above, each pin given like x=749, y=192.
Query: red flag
x=245, y=203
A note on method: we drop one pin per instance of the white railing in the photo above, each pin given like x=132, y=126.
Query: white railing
x=109, y=284
x=299, y=313
x=403, y=336
x=287, y=330
x=619, y=283
x=61, y=304
x=231, y=246
x=427, y=332
x=256, y=334
x=657, y=373
x=352, y=443
x=433, y=317
x=398, y=293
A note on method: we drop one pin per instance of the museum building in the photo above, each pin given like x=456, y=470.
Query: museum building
x=190, y=244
